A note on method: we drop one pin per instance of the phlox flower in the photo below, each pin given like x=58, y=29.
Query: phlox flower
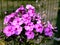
x=29, y=26
x=39, y=28
x=17, y=21
x=18, y=29
x=21, y=9
x=9, y=30
x=8, y=18
x=48, y=32
x=26, y=18
x=31, y=12
x=29, y=34
x=48, y=29
x=30, y=6
x=37, y=17
x=27, y=22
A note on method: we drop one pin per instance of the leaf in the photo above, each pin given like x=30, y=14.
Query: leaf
x=2, y=42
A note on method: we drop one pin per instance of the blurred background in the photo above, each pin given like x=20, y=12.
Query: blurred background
x=49, y=9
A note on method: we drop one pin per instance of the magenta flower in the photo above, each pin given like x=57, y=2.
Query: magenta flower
x=9, y=30
x=18, y=29
x=39, y=28
x=26, y=18
x=48, y=29
x=37, y=17
x=30, y=6
x=17, y=21
x=30, y=35
x=29, y=26
x=8, y=18
x=48, y=32
x=21, y=9
x=31, y=12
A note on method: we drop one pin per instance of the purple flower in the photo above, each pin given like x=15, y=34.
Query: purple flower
x=29, y=26
x=48, y=32
x=17, y=21
x=30, y=35
x=26, y=18
x=39, y=28
x=21, y=9
x=9, y=30
x=31, y=12
x=30, y=6
x=37, y=17
x=18, y=29
x=8, y=18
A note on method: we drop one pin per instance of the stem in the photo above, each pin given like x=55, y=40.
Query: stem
x=45, y=43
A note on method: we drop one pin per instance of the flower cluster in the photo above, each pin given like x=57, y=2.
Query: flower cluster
x=27, y=20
